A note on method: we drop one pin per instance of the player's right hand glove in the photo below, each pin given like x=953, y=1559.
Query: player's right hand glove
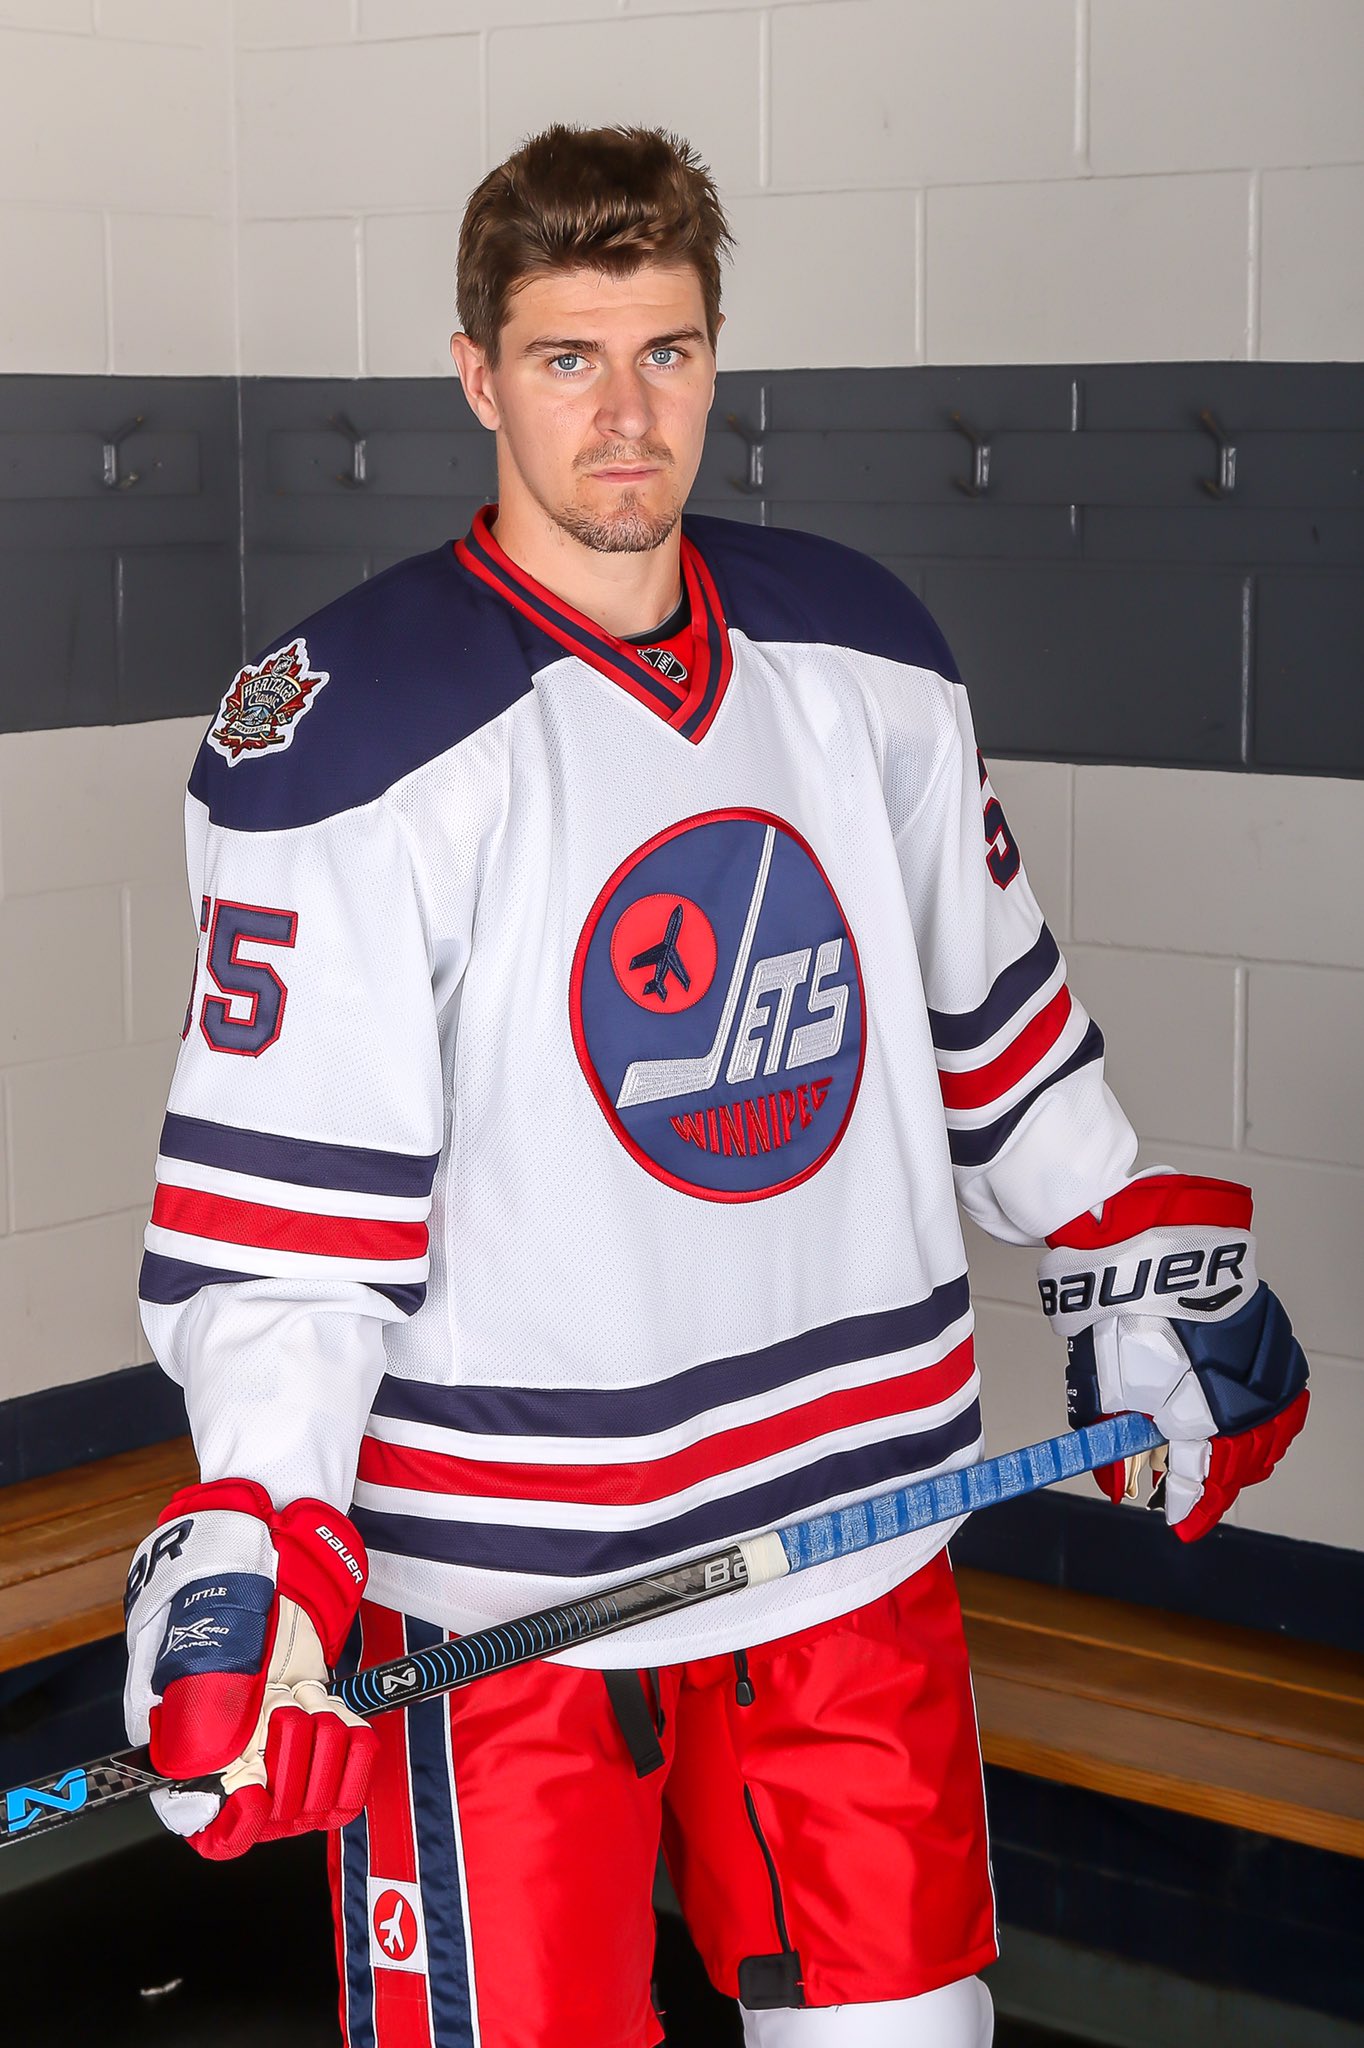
x=1163, y=1312
x=235, y=1610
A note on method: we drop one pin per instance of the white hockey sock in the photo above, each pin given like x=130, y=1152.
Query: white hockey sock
x=958, y=2015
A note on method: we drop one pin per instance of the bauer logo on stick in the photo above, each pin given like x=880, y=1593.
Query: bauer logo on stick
x=716, y=1006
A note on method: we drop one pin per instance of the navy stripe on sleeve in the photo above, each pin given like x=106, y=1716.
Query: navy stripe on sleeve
x=408, y=1298
x=976, y=1148
x=962, y=1030
x=591, y=1553
x=169, y=1281
x=640, y=1411
x=350, y=1169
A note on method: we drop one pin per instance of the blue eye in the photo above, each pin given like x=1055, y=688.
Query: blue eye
x=571, y=357
x=654, y=354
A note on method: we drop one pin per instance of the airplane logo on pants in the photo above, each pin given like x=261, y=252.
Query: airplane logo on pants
x=397, y=1937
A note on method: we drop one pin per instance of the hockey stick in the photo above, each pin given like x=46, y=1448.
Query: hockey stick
x=32, y=1810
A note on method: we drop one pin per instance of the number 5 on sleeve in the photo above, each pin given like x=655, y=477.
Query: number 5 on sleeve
x=248, y=1032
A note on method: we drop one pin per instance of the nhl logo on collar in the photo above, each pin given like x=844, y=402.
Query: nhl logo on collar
x=668, y=665
x=261, y=711
x=717, y=1010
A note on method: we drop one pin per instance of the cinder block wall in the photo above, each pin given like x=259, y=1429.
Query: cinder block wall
x=275, y=189
x=117, y=255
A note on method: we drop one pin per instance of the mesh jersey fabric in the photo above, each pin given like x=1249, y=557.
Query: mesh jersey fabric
x=582, y=1072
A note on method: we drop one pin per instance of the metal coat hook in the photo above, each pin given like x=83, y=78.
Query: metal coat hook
x=978, y=483
x=354, y=478
x=753, y=482
x=1224, y=483
x=111, y=479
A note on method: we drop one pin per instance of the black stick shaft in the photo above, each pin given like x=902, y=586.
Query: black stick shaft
x=31, y=1810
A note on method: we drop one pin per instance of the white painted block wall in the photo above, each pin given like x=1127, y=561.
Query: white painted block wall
x=274, y=187
x=1212, y=924
x=96, y=946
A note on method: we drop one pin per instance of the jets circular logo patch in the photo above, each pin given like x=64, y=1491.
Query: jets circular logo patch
x=717, y=1009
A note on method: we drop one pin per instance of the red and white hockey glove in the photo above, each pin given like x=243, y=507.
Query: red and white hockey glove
x=235, y=1611
x=1163, y=1312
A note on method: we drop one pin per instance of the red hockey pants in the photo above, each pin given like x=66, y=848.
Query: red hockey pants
x=819, y=1804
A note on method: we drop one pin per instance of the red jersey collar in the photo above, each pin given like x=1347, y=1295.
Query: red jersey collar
x=703, y=645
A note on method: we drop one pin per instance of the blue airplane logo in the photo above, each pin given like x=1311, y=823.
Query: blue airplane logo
x=665, y=959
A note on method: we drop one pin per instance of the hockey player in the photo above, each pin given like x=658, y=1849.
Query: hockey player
x=615, y=968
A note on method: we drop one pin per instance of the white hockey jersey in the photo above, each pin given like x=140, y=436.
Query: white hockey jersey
x=586, y=1054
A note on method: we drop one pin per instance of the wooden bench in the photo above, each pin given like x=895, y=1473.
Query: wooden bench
x=1223, y=1722
x=65, y=1542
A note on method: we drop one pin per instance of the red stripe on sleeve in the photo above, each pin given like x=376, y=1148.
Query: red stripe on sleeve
x=1033, y=1043
x=385, y=1464
x=285, y=1230
x=1164, y=1201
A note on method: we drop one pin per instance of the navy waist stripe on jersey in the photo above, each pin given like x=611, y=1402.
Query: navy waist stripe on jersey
x=641, y=1411
x=590, y=1553
x=349, y=1169
x=963, y=1030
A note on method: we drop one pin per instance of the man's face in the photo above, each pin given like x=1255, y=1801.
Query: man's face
x=599, y=400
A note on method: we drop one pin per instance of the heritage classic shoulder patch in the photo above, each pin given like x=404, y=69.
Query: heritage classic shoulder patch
x=261, y=711
x=716, y=1006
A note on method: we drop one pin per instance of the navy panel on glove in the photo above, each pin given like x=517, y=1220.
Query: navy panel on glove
x=1163, y=1312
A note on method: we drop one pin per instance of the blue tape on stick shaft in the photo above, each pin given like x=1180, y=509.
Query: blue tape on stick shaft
x=446, y=1665
x=950, y=1494
x=28, y=1811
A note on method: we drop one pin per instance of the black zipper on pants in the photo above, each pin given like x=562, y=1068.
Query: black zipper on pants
x=778, y=1909
x=744, y=1690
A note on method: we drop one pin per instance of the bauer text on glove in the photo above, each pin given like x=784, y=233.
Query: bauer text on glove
x=1163, y=1311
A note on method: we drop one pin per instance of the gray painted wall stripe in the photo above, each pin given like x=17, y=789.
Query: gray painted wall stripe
x=1104, y=605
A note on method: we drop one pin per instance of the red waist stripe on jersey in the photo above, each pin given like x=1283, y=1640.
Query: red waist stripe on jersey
x=388, y=1464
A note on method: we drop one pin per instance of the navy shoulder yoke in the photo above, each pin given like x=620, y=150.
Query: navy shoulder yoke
x=414, y=660
x=778, y=584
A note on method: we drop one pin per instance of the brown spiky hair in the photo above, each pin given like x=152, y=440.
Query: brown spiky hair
x=603, y=199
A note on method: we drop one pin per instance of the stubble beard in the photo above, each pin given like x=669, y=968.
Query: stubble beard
x=630, y=530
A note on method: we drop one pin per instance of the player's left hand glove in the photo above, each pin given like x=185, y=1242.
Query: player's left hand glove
x=1163, y=1312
